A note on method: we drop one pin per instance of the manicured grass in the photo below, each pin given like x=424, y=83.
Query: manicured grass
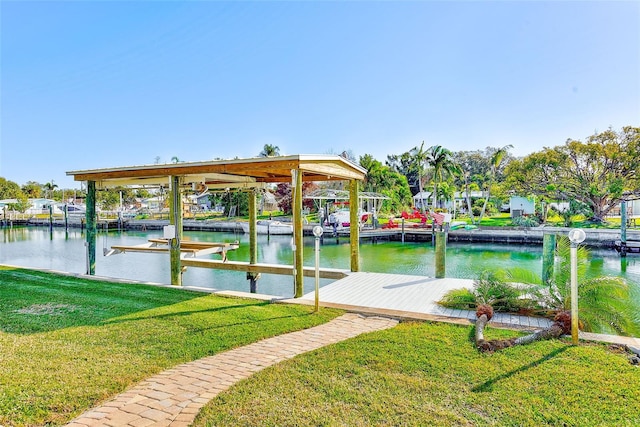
x=497, y=220
x=431, y=375
x=68, y=343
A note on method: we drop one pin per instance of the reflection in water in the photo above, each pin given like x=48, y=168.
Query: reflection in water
x=32, y=247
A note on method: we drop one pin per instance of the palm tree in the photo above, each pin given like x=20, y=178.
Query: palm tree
x=468, y=194
x=48, y=188
x=419, y=157
x=270, y=151
x=605, y=303
x=175, y=159
x=496, y=161
x=441, y=162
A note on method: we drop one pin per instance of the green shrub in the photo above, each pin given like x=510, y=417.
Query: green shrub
x=525, y=221
x=491, y=288
x=463, y=299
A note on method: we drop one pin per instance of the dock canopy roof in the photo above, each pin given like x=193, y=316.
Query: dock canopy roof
x=235, y=173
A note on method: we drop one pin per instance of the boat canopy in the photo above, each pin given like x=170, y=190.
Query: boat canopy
x=368, y=201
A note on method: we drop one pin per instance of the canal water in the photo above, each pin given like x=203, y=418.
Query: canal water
x=37, y=247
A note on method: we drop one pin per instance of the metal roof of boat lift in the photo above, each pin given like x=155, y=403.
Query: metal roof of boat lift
x=235, y=173
x=331, y=194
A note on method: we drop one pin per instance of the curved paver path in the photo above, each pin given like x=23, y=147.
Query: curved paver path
x=174, y=397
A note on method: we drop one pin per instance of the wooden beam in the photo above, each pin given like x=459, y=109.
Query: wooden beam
x=186, y=180
x=273, y=169
x=328, y=169
x=236, y=185
x=325, y=273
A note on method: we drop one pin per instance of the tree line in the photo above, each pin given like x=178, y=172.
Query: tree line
x=592, y=176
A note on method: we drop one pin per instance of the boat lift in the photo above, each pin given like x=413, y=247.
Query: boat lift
x=370, y=201
x=188, y=248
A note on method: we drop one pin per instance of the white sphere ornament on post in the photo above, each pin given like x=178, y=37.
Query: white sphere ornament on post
x=317, y=231
x=576, y=236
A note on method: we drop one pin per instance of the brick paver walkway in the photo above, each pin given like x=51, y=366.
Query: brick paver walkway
x=174, y=397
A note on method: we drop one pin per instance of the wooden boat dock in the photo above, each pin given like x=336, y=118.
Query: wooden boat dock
x=628, y=247
x=409, y=296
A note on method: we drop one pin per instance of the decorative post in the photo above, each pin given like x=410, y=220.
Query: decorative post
x=297, y=233
x=175, y=219
x=317, y=232
x=253, y=241
x=576, y=236
x=90, y=216
x=548, y=256
x=354, y=229
x=441, y=251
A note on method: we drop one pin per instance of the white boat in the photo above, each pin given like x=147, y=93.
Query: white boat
x=74, y=210
x=269, y=226
x=342, y=218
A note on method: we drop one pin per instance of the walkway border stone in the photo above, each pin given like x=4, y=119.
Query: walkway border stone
x=174, y=397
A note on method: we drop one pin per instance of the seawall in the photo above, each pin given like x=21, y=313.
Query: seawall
x=602, y=238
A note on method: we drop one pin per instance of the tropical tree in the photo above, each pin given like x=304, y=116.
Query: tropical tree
x=537, y=174
x=598, y=172
x=441, y=162
x=108, y=199
x=419, y=157
x=270, y=151
x=48, y=188
x=32, y=189
x=464, y=161
x=11, y=190
x=606, y=304
x=405, y=165
x=236, y=203
x=383, y=179
x=175, y=159
x=496, y=162
x=474, y=173
x=284, y=195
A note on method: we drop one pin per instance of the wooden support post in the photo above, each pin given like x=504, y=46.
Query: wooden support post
x=175, y=218
x=623, y=228
x=66, y=217
x=253, y=241
x=90, y=215
x=354, y=226
x=297, y=233
x=441, y=253
x=548, y=256
x=50, y=218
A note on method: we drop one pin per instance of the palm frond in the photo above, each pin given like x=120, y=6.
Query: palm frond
x=605, y=305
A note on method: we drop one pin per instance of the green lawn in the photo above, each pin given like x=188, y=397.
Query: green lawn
x=426, y=374
x=68, y=343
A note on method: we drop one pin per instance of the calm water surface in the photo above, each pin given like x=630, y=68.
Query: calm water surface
x=36, y=247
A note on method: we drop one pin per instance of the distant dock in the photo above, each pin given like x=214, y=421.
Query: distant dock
x=597, y=238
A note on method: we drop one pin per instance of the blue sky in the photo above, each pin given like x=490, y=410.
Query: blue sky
x=91, y=84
